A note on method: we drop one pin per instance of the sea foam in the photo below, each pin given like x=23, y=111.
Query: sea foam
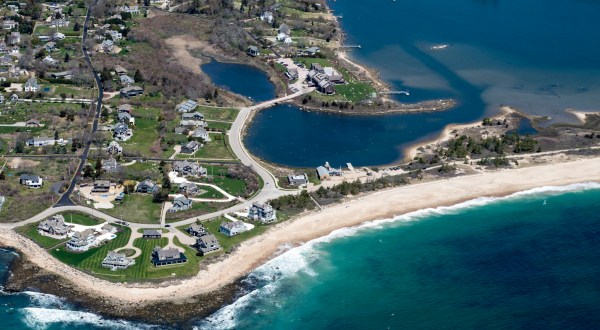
x=43, y=318
x=266, y=278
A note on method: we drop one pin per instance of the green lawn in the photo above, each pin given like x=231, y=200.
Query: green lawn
x=225, y=114
x=219, y=125
x=210, y=192
x=145, y=133
x=214, y=150
x=355, y=92
x=30, y=231
x=137, y=208
x=81, y=219
x=91, y=260
x=198, y=208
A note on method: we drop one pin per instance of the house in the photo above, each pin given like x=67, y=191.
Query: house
x=109, y=228
x=323, y=173
x=58, y=36
x=151, y=233
x=115, y=35
x=101, y=186
x=192, y=116
x=181, y=130
x=298, y=179
x=333, y=76
x=31, y=181
x=267, y=16
x=186, y=106
x=120, y=70
x=232, y=228
x=114, y=261
x=54, y=226
x=107, y=46
x=56, y=23
x=285, y=29
x=129, y=9
x=14, y=38
x=207, y=243
x=114, y=148
x=170, y=256
x=253, y=51
x=1, y=99
x=15, y=98
x=181, y=203
x=292, y=73
x=82, y=241
x=31, y=122
x=126, y=80
x=192, y=123
x=197, y=230
x=147, y=187
x=201, y=133
x=110, y=165
x=61, y=75
x=125, y=118
x=2, y=201
x=50, y=46
x=3, y=48
x=190, y=147
x=312, y=51
x=125, y=108
x=185, y=168
x=131, y=91
x=318, y=68
x=262, y=212
x=122, y=132
x=333, y=171
x=189, y=188
x=31, y=85
x=6, y=60
x=48, y=60
x=44, y=141
x=9, y=24
x=14, y=51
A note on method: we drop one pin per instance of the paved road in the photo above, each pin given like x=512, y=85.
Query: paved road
x=65, y=199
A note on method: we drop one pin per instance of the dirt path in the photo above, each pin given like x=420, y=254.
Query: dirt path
x=182, y=46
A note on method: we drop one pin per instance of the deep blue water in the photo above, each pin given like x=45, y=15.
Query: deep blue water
x=241, y=79
x=541, y=57
x=523, y=262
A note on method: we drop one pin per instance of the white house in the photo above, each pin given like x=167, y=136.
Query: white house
x=31, y=181
x=232, y=228
x=82, y=241
x=31, y=85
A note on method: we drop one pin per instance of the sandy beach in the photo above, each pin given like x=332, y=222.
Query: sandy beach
x=380, y=205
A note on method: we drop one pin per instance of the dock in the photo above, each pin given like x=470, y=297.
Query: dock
x=407, y=93
x=351, y=46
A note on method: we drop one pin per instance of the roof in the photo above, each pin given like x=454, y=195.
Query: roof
x=151, y=232
x=187, y=106
x=322, y=171
x=29, y=177
x=166, y=254
x=233, y=224
x=208, y=240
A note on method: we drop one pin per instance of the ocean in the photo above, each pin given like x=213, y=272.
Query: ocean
x=541, y=57
x=529, y=260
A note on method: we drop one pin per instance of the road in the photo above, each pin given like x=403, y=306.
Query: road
x=65, y=199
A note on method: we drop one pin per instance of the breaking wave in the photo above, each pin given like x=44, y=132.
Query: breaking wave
x=266, y=279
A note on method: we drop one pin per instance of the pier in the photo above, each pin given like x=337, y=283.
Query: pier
x=407, y=93
x=351, y=46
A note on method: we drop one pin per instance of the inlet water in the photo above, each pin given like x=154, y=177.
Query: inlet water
x=241, y=79
x=539, y=57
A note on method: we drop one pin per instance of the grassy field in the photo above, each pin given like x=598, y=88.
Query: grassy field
x=209, y=192
x=214, y=150
x=224, y=114
x=145, y=133
x=30, y=231
x=219, y=125
x=91, y=260
x=81, y=219
x=198, y=208
x=137, y=208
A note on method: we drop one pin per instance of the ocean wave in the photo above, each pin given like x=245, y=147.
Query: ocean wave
x=265, y=278
x=43, y=318
x=44, y=300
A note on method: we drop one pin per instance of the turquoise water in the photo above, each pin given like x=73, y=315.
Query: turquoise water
x=529, y=261
x=539, y=56
x=525, y=261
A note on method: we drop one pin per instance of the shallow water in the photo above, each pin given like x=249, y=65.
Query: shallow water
x=526, y=261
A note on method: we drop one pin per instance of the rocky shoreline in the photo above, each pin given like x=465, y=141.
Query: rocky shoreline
x=24, y=275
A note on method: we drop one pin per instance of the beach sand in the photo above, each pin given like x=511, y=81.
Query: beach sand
x=379, y=205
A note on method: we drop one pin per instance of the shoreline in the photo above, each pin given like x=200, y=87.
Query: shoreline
x=356, y=211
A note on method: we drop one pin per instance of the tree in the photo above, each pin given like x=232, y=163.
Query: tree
x=67, y=57
x=20, y=147
x=98, y=167
x=76, y=26
x=55, y=135
x=88, y=172
x=138, y=76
